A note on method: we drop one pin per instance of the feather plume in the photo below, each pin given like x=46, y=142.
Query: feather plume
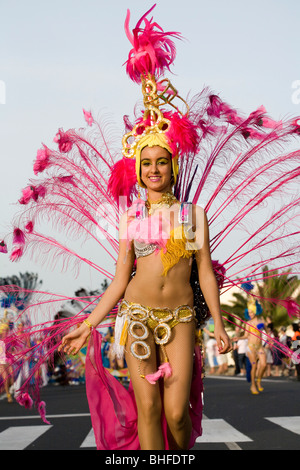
x=153, y=50
x=182, y=134
x=292, y=307
x=122, y=181
x=3, y=247
x=18, y=237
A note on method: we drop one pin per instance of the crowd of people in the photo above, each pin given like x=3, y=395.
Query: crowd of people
x=70, y=370
x=14, y=370
x=59, y=370
x=237, y=362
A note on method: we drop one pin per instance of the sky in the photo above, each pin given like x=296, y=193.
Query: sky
x=61, y=56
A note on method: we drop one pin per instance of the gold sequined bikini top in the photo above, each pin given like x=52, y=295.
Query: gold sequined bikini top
x=176, y=247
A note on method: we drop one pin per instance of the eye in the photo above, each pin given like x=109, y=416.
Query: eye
x=145, y=163
x=163, y=162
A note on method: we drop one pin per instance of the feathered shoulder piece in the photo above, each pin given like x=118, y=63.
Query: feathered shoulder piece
x=153, y=50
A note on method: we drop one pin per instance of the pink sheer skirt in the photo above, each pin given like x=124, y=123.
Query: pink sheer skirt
x=113, y=408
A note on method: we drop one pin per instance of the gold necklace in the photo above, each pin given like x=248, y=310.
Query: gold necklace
x=167, y=198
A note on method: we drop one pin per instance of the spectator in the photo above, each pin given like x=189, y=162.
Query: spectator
x=222, y=360
x=211, y=350
x=235, y=355
x=296, y=347
x=242, y=347
x=276, y=354
x=286, y=343
x=105, y=346
x=268, y=349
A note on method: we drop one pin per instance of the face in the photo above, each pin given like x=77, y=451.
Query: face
x=252, y=314
x=156, y=168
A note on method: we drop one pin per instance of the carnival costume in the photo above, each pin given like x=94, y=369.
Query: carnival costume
x=232, y=164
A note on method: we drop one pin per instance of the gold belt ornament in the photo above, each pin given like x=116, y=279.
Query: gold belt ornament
x=159, y=320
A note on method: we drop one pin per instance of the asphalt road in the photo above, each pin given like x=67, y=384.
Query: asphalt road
x=268, y=421
x=233, y=418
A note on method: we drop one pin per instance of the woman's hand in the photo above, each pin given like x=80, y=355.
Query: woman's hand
x=74, y=341
x=223, y=340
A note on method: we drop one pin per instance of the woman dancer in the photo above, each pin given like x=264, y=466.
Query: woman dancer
x=170, y=294
x=256, y=352
x=167, y=239
x=6, y=371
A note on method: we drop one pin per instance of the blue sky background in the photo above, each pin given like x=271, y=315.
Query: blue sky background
x=61, y=56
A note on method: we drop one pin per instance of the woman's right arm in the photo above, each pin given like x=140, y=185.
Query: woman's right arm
x=75, y=340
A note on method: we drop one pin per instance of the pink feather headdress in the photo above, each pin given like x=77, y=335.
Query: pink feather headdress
x=152, y=54
x=153, y=49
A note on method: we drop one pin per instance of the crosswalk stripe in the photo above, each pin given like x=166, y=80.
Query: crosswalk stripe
x=69, y=415
x=218, y=430
x=291, y=423
x=19, y=437
x=89, y=441
x=214, y=431
x=226, y=434
x=232, y=446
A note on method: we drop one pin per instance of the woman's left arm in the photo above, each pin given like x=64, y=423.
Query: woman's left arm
x=207, y=279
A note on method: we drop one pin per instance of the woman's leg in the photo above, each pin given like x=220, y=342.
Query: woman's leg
x=147, y=396
x=262, y=364
x=210, y=358
x=4, y=371
x=177, y=388
x=252, y=355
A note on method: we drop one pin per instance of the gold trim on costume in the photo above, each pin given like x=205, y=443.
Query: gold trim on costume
x=159, y=320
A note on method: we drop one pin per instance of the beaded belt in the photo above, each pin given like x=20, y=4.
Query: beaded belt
x=159, y=320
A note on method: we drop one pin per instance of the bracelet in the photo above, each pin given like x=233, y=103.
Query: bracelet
x=88, y=324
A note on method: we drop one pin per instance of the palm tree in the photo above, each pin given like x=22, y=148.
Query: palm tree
x=237, y=306
x=18, y=289
x=278, y=287
x=272, y=293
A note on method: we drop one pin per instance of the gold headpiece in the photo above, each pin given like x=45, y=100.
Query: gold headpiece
x=151, y=131
x=157, y=122
x=251, y=305
x=153, y=52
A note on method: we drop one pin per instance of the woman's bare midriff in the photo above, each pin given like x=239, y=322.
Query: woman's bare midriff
x=149, y=288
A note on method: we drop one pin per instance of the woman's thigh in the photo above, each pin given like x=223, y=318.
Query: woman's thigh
x=252, y=354
x=4, y=370
x=147, y=395
x=262, y=357
x=180, y=352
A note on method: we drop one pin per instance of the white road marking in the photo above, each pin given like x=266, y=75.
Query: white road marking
x=291, y=423
x=19, y=437
x=89, y=441
x=218, y=430
x=70, y=415
x=214, y=431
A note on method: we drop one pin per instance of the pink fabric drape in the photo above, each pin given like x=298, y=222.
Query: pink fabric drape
x=113, y=408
